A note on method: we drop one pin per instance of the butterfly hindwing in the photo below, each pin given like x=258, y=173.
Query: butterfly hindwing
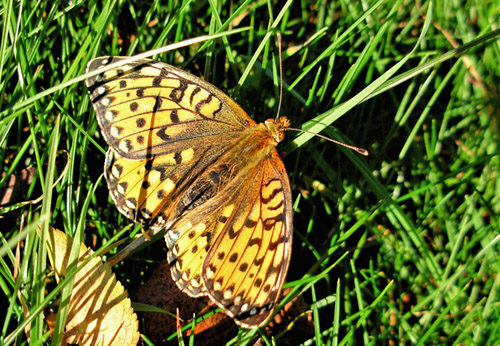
x=247, y=263
x=152, y=191
x=238, y=251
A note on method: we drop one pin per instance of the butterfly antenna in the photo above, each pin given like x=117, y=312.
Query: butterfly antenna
x=278, y=37
x=359, y=150
x=352, y=147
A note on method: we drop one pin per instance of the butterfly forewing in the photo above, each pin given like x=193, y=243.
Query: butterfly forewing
x=184, y=156
x=150, y=108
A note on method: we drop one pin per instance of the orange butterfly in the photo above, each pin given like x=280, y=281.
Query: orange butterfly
x=185, y=157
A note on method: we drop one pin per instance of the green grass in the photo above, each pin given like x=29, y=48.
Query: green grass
x=400, y=247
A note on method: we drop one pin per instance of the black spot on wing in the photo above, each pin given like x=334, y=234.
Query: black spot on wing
x=202, y=103
x=177, y=94
x=270, y=222
x=141, y=122
x=174, y=117
x=233, y=257
x=178, y=158
x=193, y=94
x=163, y=135
x=271, y=196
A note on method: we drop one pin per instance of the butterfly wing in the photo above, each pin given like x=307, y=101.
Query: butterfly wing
x=164, y=126
x=148, y=108
x=242, y=244
x=153, y=191
x=247, y=264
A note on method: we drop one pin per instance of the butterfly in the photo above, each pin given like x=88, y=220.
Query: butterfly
x=183, y=156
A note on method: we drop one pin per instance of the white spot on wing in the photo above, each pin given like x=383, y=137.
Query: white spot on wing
x=209, y=273
x=237, y=299
x=115, y=131
x=120, y=189
x=109, y=116
x=228, y=294
x=106, y=101
x=115, y=172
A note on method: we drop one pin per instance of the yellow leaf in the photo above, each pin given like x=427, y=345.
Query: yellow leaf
x=99, y=312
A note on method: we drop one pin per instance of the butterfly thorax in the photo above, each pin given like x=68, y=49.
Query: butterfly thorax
x=253, y=146
x=226, y=176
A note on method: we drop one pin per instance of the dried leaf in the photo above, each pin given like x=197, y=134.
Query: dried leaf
x=99, y=312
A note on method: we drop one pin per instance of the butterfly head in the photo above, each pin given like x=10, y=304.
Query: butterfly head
x=277, y=128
